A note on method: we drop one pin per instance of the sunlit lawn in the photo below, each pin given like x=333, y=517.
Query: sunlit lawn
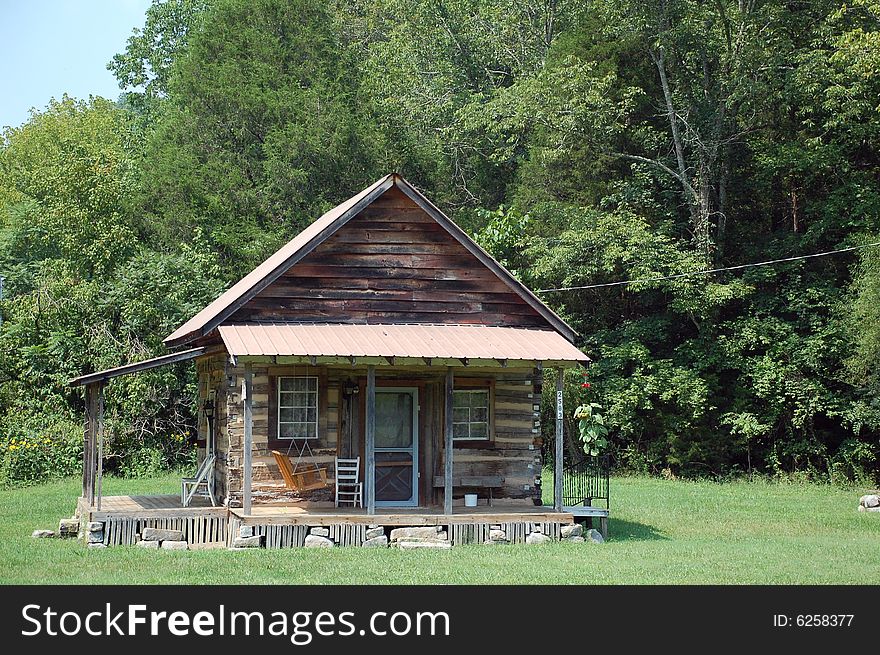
x=662, y=531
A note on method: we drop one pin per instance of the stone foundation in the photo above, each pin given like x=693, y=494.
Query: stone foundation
x=408, y=538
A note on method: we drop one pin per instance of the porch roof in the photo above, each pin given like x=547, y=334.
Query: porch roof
x=416, y=341
x=137, y=367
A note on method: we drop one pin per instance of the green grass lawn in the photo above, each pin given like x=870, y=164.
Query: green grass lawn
x=666, y=532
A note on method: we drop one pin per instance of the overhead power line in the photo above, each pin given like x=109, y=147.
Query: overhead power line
x=713, y=270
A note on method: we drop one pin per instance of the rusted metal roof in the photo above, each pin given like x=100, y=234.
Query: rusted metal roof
x=418, y=341
x=316, y=233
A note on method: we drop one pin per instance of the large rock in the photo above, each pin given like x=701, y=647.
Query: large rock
x=573, y=530
x=376, y=542
x=173, y=544
x=95, y=532
x=372, y=533
x=871, y=509
x=576, y=539
x=594, y=537
x=148, y=544
x=160, y=534
x=315, y=541
x=498, y=536
x=412, y=544
x=870, y=500
x=245, y=531
x=434, y=533
x=42, y=534
x=97, y=544
x=68, y=528
x=538, y=538
x=320, y=532
x=247, y=542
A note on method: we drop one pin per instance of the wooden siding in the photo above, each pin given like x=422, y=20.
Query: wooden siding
x=390, y=264
x=512, y=453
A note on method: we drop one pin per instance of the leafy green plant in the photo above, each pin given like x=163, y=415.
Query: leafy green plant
x=591, y=426
x=854, y=461
x=35, y=457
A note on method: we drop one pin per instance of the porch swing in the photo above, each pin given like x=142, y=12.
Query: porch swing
x=297, y=479
x=301, y=477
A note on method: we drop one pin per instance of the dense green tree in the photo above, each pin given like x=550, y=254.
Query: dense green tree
x=583, y=143
x=260, y=133
x=83, y=291
x=65, y=176
x=144, y=69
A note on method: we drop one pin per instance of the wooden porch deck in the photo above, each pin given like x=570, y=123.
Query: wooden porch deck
x=168, y=506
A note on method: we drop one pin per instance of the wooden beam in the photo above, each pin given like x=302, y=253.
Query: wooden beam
x=427, y=360
x=85, y=457
x=89, y=445
x=557, y=457
x=390, y=360
x=99, y=418
x=447, y=444
x=247, y=395
x=464, y=361
x=370, y=439
x=137, y=367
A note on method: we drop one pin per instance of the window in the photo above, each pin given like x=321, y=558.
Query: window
x=470, y=415
x=298, y=407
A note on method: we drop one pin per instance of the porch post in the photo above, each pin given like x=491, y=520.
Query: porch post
x=370, y=441
x=557, y=463
x=247, y=393
x=100, y=431
x=88, y=480
x=447, y=444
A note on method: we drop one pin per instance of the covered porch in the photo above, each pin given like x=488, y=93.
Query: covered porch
x=424, y=370
x=419, y=368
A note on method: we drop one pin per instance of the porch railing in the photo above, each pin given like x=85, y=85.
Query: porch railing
x=586, y=480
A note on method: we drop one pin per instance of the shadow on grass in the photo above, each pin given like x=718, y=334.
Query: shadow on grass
x=621, y=530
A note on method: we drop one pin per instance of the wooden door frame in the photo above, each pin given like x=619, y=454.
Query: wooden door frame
x=425, y=487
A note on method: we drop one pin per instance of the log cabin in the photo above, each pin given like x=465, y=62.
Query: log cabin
x=381, y=347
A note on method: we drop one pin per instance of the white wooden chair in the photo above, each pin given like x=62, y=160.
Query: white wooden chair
x=200, y=485
x=349, y=488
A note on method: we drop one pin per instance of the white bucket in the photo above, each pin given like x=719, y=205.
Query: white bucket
x=470, y=500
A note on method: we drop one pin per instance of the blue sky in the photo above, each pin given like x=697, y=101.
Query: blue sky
x=49, y=47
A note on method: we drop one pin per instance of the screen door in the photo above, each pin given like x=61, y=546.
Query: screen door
x=397, y=450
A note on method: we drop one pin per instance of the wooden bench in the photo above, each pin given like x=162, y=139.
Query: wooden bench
x=489, y=482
